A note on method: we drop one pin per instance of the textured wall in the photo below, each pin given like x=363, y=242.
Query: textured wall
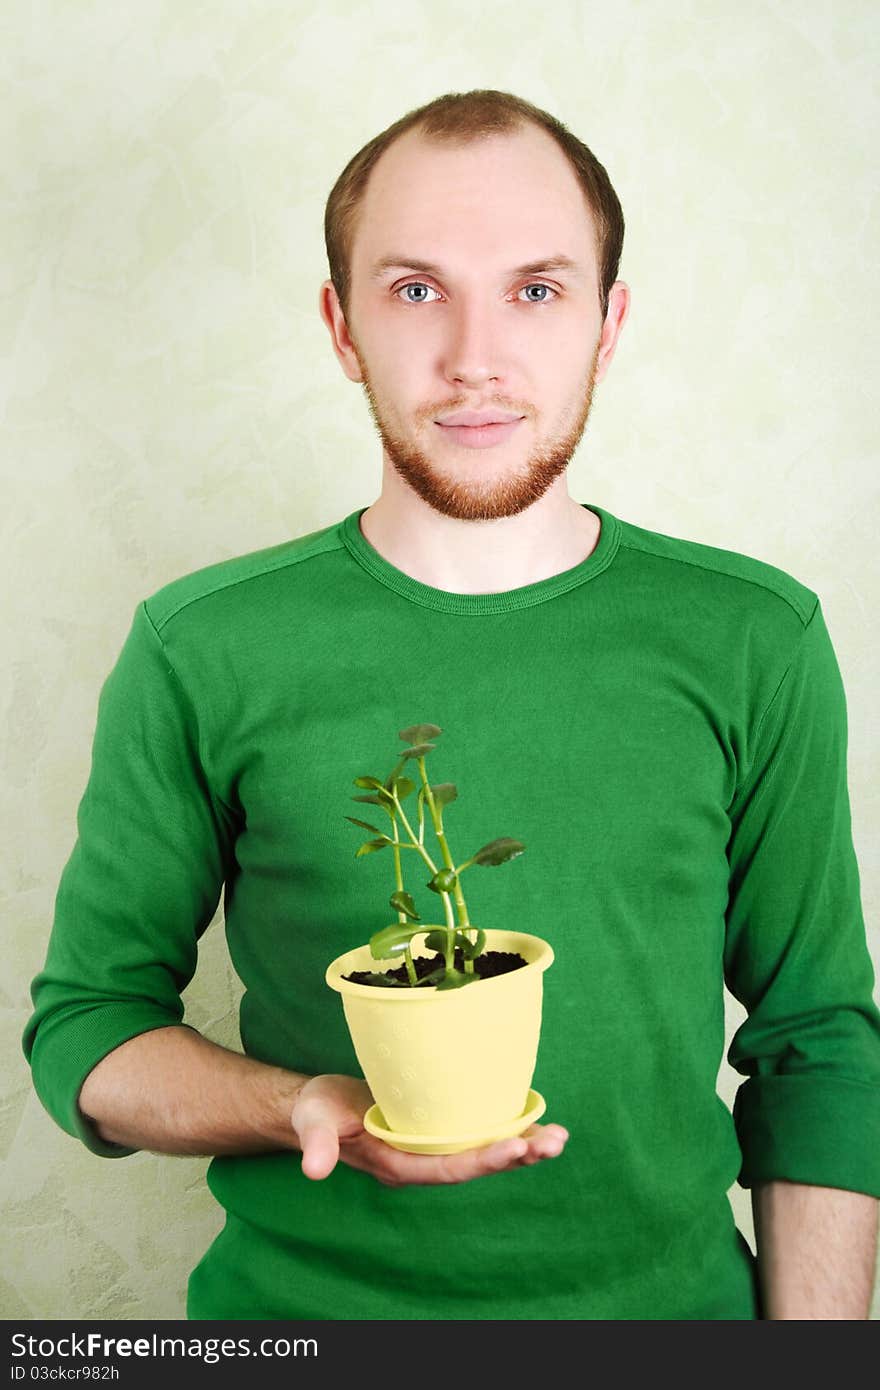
x=171, y=398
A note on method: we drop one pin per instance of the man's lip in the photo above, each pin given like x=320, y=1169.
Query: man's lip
x=478, y=424
x=481, y=436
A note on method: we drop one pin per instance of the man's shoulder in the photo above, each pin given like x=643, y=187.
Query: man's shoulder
x=229, y=575
x=736, y=573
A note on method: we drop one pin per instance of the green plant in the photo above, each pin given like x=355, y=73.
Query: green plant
x=444, y=938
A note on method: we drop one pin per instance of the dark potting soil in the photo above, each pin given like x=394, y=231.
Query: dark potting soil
x=485, y=966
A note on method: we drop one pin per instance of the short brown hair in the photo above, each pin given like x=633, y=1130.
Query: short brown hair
x=458, y=118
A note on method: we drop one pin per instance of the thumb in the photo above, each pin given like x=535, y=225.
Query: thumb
x=318, y=1138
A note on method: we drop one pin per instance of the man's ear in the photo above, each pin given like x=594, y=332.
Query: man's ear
x=618, y=309
x=331, y=312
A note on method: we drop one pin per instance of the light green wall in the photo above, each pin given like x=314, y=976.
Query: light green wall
x=171, y=398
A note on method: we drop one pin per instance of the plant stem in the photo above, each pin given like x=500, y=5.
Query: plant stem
x=410, y=968
x=449, y=951
x=449, y=862
x=415, y=843
x=401, y=916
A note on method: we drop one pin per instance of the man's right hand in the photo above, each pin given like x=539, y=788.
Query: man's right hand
x=327, y=1117
x=169, y=1090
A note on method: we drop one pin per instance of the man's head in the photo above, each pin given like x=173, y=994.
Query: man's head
x=475, y=332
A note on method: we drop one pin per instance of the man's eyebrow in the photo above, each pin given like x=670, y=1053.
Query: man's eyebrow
x=396, y=262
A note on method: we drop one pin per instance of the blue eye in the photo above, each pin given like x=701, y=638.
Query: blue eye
x=538, y=285
x=420, y=284
x=412, y=285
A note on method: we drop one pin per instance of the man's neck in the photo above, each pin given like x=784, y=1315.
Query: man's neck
x=481, y=557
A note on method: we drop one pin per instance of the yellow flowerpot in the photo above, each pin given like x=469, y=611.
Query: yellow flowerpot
x=448, y=1069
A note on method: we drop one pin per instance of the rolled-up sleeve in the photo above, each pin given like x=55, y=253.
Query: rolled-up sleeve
x=796, y=953
x=141, y=885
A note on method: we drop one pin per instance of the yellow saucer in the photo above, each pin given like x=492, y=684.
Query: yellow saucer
x=374, y=1123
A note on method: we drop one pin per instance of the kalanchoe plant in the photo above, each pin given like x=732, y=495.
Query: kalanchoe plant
x=444, y=938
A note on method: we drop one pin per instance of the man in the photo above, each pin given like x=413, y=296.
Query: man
x=662, y=723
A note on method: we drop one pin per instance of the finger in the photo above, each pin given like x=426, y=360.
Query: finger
x=540, y=1150
x=397, y=1167
x=318, y=1137
x=545, y=1141
x=555, y=1132
x=524, y=1150
x=457, y=1167
x=320, y=1150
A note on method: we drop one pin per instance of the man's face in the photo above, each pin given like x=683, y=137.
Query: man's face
x=475, y=334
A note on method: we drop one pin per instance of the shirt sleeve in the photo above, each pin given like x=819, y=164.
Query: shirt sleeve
x=140, y=887
x=796, y=953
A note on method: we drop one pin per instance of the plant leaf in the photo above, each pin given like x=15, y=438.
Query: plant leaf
x=417, y=733
x=384, y=796
x=418, y=750
x=392, y=940
x=436, y=940
x=375, y=979
x=366, y=824
x=471, y=949
x=444, y=792
x=403, y=901
x=498, y=851
x=387, y=806
x=433, y=977
x=372, y=845
x=454, y=979
x=443, y=881
x=403, y=785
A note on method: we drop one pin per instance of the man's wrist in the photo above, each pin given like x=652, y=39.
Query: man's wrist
x=279, y=1097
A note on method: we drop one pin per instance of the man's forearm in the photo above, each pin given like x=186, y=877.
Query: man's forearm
x=172, y=1091
x=816, y=1249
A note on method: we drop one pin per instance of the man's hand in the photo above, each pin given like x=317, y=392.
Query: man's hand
x=170, y=1090
x=328, y=1119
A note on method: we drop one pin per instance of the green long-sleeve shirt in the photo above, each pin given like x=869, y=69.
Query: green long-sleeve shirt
x=664, y=727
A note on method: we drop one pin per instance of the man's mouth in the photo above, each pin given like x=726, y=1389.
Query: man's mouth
x=479, y=436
